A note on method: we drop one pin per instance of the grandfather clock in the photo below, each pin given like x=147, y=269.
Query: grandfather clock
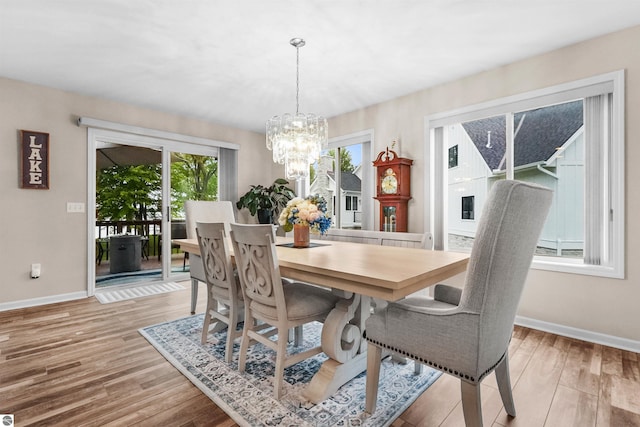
x=393, y=189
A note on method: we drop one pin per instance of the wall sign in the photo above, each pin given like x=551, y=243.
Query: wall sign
x=34, y=160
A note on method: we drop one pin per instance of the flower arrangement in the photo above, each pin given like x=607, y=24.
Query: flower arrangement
x=309, y=211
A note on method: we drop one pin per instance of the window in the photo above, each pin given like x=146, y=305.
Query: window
x=340, y=177
x=467, y=207
x=453, y=156
x=351, y=203
x=569, y=138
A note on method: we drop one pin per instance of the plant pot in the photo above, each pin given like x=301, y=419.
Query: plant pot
x=264, y=216
x=300, y=236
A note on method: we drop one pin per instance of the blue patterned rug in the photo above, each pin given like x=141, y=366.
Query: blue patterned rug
x=248, y=398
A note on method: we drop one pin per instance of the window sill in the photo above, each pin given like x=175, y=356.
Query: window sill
x=576, y=266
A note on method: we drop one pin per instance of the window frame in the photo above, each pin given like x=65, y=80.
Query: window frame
x=437, y=153
x=351, y=203
x=453, y=150
x=366, y=139
x=472, y=211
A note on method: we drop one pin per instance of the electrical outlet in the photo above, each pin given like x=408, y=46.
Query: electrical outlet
x=75, y=207
x=35, y=271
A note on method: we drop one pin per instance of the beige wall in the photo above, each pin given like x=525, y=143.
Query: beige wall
x=36, y=228
x=605, y=306
x=34, y=224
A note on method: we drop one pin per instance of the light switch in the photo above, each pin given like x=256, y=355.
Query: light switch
x=75, y=207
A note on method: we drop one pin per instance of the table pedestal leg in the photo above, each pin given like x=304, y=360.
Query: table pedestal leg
x=333, y=375
x=342, y=342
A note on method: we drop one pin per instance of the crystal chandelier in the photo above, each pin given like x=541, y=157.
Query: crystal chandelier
x=297, y=140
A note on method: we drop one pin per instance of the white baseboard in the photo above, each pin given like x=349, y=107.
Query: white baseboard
x=13, y=305
x=581, y=334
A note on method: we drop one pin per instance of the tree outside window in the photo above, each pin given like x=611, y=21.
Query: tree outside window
x=133, y=192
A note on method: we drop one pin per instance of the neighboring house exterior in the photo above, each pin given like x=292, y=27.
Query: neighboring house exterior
x=350, y=193
x=548, y=150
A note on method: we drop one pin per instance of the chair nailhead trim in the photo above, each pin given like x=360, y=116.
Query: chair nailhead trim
x=461, y=375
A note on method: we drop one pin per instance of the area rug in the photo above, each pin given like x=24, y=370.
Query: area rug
x=248, y=397
x=122, y=294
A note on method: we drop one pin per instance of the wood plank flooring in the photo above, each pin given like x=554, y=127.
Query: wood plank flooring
x=82, y=363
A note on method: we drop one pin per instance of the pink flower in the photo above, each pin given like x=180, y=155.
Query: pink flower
x=303, y=214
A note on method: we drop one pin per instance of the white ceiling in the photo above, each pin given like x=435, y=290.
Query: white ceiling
x=230, y=61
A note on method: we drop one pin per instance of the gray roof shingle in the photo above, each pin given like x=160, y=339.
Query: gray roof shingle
x=541, y=132
x=349, y=181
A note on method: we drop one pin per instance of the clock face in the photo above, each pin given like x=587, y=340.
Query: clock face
x=389, y=183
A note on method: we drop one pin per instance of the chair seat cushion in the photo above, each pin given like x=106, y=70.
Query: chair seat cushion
x=303, y=302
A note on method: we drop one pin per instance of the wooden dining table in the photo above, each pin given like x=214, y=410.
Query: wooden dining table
x=360, y=274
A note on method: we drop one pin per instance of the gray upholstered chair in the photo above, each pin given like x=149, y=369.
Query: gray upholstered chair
x=466, y=332
x=224, y=296
x=273, y=305
x=203, y=211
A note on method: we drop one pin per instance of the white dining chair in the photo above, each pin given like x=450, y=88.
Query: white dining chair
x=203, y=211
x=224, y=295
x=273, y=305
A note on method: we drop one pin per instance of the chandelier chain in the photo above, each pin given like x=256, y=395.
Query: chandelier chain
x=297, y=79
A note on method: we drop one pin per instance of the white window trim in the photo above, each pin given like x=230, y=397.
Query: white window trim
x=611, y=82
x=366, y=138
x=103, y=133
x=154, y=133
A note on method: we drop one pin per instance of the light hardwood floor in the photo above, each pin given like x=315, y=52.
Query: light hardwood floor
x=82, y=363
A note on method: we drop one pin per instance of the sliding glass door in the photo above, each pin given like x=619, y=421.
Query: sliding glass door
x=128, y=202
x=192, y=177
x=140, y=188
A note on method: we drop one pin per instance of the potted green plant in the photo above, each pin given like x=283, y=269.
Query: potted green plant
x=266, y=202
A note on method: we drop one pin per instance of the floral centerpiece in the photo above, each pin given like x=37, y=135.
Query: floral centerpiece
x=310, y=212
